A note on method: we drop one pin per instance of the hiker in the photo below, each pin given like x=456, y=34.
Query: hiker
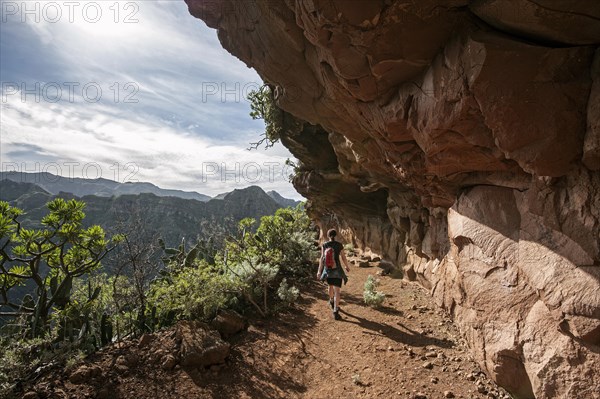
x=331, y=270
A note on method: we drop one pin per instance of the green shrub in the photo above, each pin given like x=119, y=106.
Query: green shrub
x=371, y=296
x=281, y=247
x=287, y=294
x=101, y=309
x=349, y=248
x=196, y=292
x=52, y=259
x=80, y=320
x=263, y=107
x=277, y=121
x=81, y=309
x=287, y=241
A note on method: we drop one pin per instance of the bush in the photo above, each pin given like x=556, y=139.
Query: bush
x=371, y=296
x=76, y=308
x=263, y=107
x=80, y=320
x=196, y=292
x=287, y=294
x=349, y=248
x=52, y=259
x=281, y=247
x=277, y=121
x=285, y=240
x=246, y=273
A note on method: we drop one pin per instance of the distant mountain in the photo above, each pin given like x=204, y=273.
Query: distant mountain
x=171, y=217
x=26, y=196
x=284, y=202
x=221, y=196
x=99, y=187
x=11, y=190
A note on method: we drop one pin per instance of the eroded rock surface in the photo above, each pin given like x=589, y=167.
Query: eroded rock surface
x=460, y=141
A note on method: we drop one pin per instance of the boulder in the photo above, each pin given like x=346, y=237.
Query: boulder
x=145, y=340
x=85, y=374
x=228, y=323
x=200, y=346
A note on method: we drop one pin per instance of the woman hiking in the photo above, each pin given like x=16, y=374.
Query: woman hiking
x=333, y=272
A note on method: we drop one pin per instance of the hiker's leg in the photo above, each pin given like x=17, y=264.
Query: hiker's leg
x=337, y=291
x=331, y=291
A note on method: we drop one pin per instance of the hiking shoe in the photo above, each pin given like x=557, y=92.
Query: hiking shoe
x=331, y=304
x=336, y=315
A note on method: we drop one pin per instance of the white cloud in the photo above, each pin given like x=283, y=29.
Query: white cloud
x=159, y=153
x=173, y=133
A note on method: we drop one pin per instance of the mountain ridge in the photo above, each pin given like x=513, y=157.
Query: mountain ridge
x=173, y=218
x=281, y=200
x=102, y=187
x=146, y=216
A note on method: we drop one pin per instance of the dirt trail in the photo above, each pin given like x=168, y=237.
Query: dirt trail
x=402, y=350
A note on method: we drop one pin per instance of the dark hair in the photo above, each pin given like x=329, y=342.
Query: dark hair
x=332, y=233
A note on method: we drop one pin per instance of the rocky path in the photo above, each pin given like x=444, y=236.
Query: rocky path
x=403, y=350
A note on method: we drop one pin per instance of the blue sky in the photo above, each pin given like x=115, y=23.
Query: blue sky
x=129, y=91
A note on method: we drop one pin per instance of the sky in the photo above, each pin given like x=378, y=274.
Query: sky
x=129, y=91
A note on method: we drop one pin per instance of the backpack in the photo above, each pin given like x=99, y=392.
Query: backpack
x=329, y=258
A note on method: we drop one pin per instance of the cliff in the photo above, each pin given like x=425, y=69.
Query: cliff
x=460, y=140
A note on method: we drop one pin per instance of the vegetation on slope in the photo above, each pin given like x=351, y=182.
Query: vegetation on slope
x=77, y=307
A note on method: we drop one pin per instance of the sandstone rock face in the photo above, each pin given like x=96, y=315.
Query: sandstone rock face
x=459, y=140
x=552, y=21
x=591, y=146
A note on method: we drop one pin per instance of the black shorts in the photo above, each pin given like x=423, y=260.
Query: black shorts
x=334, y=281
